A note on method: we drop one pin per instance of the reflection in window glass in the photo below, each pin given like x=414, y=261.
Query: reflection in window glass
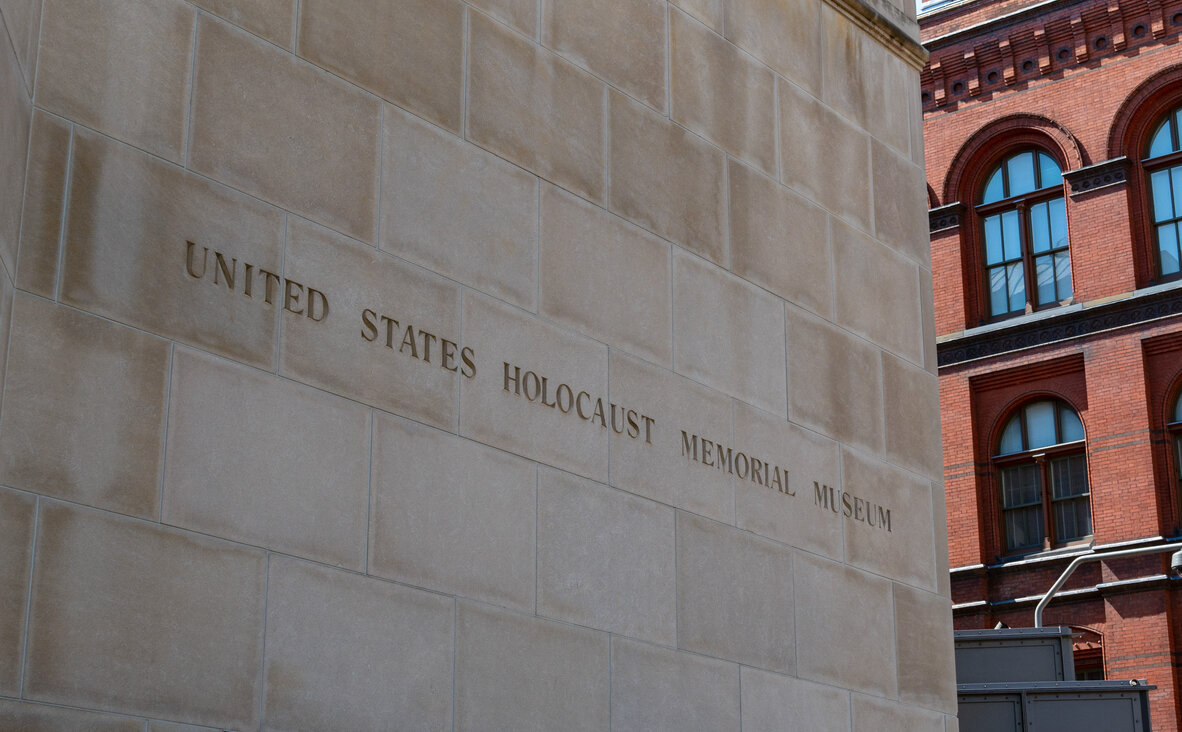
x=1040, y=425
x=1021, y=173
x=1165, y=183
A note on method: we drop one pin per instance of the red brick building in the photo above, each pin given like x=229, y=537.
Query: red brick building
x=1054, y=166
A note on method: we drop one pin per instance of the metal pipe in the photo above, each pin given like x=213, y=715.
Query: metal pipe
x=1160, y=549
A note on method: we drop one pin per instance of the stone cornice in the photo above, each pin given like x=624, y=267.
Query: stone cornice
x=1113, y=172
x=888, y=24
x=1074, y=322
x=945, y=217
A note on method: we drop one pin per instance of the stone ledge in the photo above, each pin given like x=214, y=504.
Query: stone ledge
x=888, y=24
x=1100, y=175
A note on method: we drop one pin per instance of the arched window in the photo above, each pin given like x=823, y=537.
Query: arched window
x=1044, y=477
x=1175, y=427
x=1163, y=164
x=1025, y=233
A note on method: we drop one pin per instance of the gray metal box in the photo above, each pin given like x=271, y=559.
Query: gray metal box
x=1061, y=706
x=1014, y=655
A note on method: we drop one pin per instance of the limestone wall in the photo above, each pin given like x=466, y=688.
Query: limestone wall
x=511, y=364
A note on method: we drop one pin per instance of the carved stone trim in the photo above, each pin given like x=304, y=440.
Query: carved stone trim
x=1076, y=324
x=945, y=217
x=1101, y=175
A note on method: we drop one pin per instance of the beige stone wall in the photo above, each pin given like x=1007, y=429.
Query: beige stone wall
x=281, y=281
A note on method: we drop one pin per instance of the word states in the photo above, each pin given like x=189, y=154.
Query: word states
x=417, y=343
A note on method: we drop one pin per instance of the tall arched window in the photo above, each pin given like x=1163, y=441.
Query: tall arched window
x=1044, y=477
x=1025, y=233
x=1175, y=427
x=1163, y=163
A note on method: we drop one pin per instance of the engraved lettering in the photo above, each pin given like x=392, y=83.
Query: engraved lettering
x=190, y=246
x=725, y=459
x=408, y=339
x=368, y=324
x=742, y=468
x=448, y=350
x=468, y=356
x=525, y=385
x=291, y=296
x=545, y=386
x=516, y=378
x=707, y=448
x=599, y=413
x=316, y=296
x=428, y=339
x=227, y=272
x=579, y=405
x=249, y=278
x=269, y=277
x=689, y=446
x=648, y=425
x=633, y=425
x=618, y=430
x=570, y=398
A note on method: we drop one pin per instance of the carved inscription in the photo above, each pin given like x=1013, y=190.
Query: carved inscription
x=268, y=286
x=417, y=343
x=731, y=462
x=410, y=341
x=851, y=507
x=566, y=400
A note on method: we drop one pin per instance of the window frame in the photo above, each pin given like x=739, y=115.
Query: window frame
x=1021, y=203
x=1042, y=457
x=1151, y=165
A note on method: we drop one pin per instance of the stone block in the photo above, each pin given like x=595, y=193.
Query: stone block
x=779, y=240
x=824, y=157
x=515, y=672
x=734, y=595
x=103, y=58
x=17, y=514
x=605, y=277
x=803, y=458
x=773, y=703
x=281, y=129
x=660, y=466
x=26, y=717
x=391, y=333
x=923, y=633
x=785, y=36
x=927, y=311
x=16, y=109
x=114, y=597
x=911, y=403
x=622, y=43
x=882, y=715
x=535, y=109
x=726, y=333
x=900, y=203
x=273, y=20
x=458, y=210
x=834, y=602
x=834, y=384
x=263, y=461
x=348, y=652
x=866, y=82
x=140, y=270
x=409, y=52
x=722, y=93
x=7, y=292
x=154, y=726
x=452, y=515
x=655, y=689
x=907, y=551
x=668, y=180
x=940, y=535
x=507, y=405
x=84, y=411
x=45, y=195
x=605, y=559
x=23, y=20
x=521, y=14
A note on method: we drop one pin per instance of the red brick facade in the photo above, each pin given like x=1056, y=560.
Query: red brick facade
x=1086, y=81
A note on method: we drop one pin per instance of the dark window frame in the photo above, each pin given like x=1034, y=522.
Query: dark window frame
x=1044, y=459
x=1150, y=165
x=1021, y=204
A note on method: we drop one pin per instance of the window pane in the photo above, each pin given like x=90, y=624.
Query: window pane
x=1073, y=520
x=1021, y=173
x=1062, y=275
x=993, y=253
x=998, y=300
x=1176, y=185
x=1167, y=245
x=1058, y=216
x=1040, y=425
x=1010, y=236
x=1163, y=208
x=1020, y=486
x=1011, y=437
x=1161, y=143
x=1015, y=273
x=1178, y=409
x=1023, y=528
x=1049, y=171
x=993, y=189
x=1040, y=228
x=1069, y=476
x=1070, y=425
x=1044, y=274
